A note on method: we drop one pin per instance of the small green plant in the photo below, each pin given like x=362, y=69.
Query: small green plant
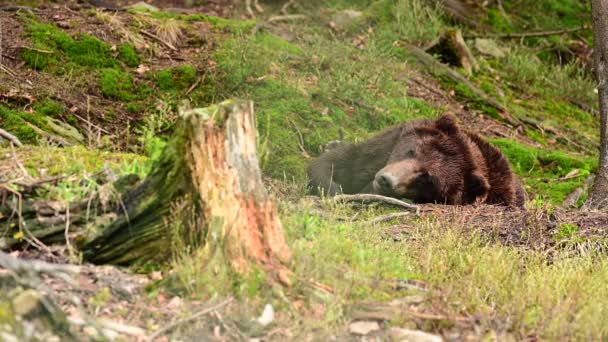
x=177, y=79
x=565, y=231
x=101, y=298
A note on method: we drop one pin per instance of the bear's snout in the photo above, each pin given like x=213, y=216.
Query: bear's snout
x=384, y=183
x=397, y=179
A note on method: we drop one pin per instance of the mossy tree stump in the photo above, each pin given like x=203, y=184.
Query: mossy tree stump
x=210, y=171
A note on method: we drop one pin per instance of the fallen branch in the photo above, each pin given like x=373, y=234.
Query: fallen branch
x=14, y=8
x=376, y=198
x=21, y=266
x=10, y=138
x=388, y=217
x=197, y=315
x=440, y=69
x=575, y=195
x=540, y=127
x=158, y=39
x=531, y=34
x=48, y=135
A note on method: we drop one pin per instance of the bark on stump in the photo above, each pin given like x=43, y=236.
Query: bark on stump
x=598, y=196
x=210, y=172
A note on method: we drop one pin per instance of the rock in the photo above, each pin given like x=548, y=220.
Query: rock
x=363, y=327
x=143, y=7
x=408, y=335
x=267, y=315
x=344, y=19
x=26, y=302
x=489, y=47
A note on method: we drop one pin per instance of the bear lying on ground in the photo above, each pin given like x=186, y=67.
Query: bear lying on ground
x=425, y=161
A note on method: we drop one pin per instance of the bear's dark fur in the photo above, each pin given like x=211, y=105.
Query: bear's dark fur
x=425, y=161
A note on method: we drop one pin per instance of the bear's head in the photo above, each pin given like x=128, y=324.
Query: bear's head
x=432, y=162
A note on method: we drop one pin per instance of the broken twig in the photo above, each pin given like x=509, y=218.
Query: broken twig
x=34, y=49
x=441, y=69
x=188, y=319
x=158, y=39
x=10, y=137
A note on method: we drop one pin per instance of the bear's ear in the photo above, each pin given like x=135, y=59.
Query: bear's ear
x=447, y=124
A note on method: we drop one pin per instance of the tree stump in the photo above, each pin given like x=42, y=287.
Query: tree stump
x=208, y=182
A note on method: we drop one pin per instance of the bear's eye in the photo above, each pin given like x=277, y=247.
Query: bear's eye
x=410, y=154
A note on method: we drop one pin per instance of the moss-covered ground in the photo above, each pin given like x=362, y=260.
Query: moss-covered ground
x=311, y=83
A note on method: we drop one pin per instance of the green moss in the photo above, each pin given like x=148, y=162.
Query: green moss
x=127, y=54
x=84, y=50
x=176, y=79
x=228, y=25
x=15, y=122
x=565, y=231
x=49, y=107
x=542, y=170
x=498, y=21
x=116, y=84
x=133, y=107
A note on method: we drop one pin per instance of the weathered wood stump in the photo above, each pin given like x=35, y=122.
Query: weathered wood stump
x=207, y=182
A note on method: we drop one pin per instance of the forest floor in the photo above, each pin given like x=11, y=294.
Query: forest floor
x=93, y=94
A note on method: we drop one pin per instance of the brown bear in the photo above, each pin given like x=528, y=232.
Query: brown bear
x=425, y=161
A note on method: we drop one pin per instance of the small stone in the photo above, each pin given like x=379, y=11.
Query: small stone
x=63, y=24
x=343, y=19
x=26, y=302
x=408, y=335
x=489, y=47
x=363, y=327
x=267, y=315
x=6, y=337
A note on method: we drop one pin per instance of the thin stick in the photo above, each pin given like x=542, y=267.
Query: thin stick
x=188, y=319
x=287, y=17
x=158, y=39
x=286, y=6
x=26, y=175
x=388, y=217
x=377, y=198
x=34, y=49
x=10, y=138
x=7, y=70
x=89, y=122
x=193, y=86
